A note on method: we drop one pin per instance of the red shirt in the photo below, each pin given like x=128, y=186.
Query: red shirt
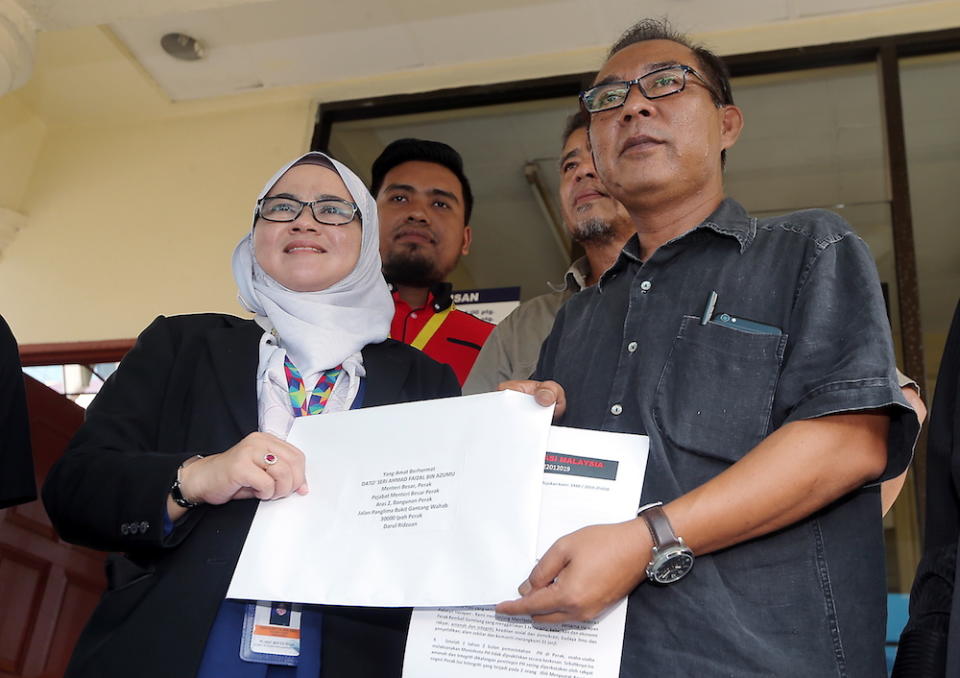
x=456, y=342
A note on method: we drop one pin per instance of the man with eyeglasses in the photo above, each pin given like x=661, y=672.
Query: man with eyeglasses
x=596, y=221
x=757, y=357
x=424, y=202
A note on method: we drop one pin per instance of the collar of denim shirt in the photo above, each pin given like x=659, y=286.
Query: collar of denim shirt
x=730, y=219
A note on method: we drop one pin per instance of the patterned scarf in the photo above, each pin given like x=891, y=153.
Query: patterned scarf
x=304, y=406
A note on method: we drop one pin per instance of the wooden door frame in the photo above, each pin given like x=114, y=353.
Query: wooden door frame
x=74, y=352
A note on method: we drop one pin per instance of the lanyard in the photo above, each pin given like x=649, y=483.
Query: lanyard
x=317, y=400
x=427, y=331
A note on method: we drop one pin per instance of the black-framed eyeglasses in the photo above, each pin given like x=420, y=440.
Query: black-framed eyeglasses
x=653, y=85
x=329, y=211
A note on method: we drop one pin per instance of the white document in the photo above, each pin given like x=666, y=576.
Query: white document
x=590, y=477
x=408, y=506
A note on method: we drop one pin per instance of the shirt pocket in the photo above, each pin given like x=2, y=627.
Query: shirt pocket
x=716, y=389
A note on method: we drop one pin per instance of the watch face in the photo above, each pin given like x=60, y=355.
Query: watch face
x=671, y=565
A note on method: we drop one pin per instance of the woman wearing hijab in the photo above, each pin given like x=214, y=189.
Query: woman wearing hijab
x=188, y=434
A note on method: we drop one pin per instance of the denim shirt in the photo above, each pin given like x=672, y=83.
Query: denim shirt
x=634, y=355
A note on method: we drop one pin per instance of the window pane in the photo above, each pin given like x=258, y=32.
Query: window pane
x=80, y=383
x=811, y=139
x=49, y=375
x=931, y=109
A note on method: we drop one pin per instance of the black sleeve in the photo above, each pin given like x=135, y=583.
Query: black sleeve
x=924, y=641
x=943, y=446
x=448, y=387
x=17, y=484
x=423, y=379
x=922, y=652
x=431, y=379
x=109, y=490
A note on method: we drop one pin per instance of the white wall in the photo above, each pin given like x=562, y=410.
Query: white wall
x=109, y=244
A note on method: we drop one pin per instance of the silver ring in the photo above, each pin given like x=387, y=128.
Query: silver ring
x=270, y=459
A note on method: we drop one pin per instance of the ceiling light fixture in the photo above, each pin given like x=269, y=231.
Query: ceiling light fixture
x=182, y=46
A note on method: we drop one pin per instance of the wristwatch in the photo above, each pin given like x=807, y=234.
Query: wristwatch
x=672, y=560
x=176, y=493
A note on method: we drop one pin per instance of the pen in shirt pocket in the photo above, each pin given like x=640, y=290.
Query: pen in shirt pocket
x=708, y=309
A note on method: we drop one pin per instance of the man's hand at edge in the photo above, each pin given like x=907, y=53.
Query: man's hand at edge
x=546, y=393
x=584, y=573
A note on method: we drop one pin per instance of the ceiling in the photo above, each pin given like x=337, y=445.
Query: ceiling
x=257, y=44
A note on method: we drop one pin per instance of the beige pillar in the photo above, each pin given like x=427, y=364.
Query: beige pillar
x=17, y=33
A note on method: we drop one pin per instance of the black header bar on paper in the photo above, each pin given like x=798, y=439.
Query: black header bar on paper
x=572, y=465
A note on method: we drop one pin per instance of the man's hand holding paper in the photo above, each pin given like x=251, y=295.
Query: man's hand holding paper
x=584, y=573
x=546, y=393
x=591, y=480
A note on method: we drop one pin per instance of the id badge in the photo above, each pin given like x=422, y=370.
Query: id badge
x=271, y=633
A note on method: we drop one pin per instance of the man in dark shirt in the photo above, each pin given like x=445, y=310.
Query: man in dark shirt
x=757, y=357
x=424, y=202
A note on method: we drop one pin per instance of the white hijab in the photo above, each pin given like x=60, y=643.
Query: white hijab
x=318, y=330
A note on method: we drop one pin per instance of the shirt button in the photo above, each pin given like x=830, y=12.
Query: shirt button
x=646, y=285
x=616, y=409
x=413, y=315
x=632, y=346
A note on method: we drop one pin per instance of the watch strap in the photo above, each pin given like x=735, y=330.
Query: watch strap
x=176, y=493
x=659, y=525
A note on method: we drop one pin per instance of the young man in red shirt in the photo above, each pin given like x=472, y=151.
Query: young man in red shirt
x=424, y=201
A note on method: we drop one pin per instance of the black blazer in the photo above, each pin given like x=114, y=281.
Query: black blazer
x=17, y=485
x=930, y=642
x=188, y=386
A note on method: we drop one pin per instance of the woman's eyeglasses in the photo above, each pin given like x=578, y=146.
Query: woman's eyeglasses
x=330, y=211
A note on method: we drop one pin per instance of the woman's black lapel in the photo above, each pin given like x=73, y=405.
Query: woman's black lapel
x=234, y=355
